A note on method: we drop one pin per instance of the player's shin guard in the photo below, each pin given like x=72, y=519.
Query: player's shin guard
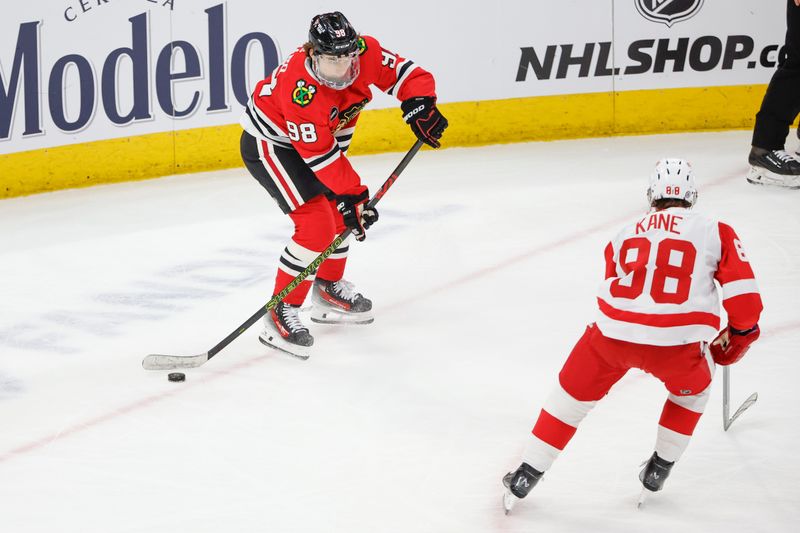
x=678, y=421
x=557, y=423
x=333, y=267
x=293, y=261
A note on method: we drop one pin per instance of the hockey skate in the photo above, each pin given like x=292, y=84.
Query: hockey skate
x=774, y=167
x=518, y=484
x=337, y=302
x=655, y=472
x=284, y=331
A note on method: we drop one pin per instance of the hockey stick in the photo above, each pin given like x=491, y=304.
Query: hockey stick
x=726, y=396
x=169, y=362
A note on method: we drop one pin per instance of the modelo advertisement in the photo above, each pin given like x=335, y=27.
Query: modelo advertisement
x=74, y=71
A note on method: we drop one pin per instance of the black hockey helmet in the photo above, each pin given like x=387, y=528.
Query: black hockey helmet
x=335, y=60
x=332, y=34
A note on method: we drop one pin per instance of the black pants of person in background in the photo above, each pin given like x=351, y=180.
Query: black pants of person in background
x=781, y=103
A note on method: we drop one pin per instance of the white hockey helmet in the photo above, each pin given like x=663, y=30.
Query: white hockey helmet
x=672, y=178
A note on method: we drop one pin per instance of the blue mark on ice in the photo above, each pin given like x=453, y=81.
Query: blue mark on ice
x=169, y=290
x=9, y=386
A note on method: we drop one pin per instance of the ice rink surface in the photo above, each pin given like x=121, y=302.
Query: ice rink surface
x=483, y=270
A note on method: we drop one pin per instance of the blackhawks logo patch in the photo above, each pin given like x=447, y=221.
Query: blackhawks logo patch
x=350, y=113
x=362, y=45
x=303, y=93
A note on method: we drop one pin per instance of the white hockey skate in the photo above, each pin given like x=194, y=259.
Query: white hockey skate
x=284, y=331
x=337, y=302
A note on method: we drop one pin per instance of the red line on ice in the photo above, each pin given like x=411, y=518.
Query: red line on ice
x=506, y=263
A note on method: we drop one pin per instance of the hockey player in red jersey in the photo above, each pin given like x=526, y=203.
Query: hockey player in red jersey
x=297, y=127
x=658, y=307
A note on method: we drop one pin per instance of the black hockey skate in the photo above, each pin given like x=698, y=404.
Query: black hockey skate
x=518, y=484
x=284, y=331
x=653, y=475
x=337, y=302
x=774, y=167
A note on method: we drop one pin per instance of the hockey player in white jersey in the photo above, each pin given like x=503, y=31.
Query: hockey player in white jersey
x=658, y=307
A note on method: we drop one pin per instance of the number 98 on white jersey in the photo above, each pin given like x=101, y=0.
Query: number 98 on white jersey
x=660, y=280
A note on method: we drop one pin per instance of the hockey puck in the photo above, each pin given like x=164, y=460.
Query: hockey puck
x=176, y=376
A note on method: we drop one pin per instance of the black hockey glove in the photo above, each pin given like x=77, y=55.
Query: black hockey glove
x=357, y=216
x=425, y=120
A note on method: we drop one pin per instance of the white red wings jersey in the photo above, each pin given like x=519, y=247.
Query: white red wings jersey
x=660, y=272
x=292, y=108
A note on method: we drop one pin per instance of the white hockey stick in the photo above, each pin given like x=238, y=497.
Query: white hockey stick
x=727, y=420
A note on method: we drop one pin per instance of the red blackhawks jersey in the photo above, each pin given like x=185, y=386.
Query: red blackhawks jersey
x=292, y=108
x=660, y=280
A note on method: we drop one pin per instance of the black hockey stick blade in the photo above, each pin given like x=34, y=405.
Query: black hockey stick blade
x=156, y=361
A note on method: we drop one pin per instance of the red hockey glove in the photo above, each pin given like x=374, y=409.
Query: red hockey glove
x=425, y=120
x=731, y=344
x=357, y=216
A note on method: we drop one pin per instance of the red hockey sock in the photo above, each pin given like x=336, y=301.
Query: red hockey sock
x=333, y=267
x=553, y=431
x=679, y=419
x=315, y=225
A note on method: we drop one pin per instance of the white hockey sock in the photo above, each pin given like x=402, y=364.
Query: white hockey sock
x=295, y=259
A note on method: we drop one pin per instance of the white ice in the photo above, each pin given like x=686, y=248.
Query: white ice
x=483, y=271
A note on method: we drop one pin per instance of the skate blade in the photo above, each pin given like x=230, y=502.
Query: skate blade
x=509, y=501
x=642, y=498
x=765, y=177
x=334, y=316
x=298, y=353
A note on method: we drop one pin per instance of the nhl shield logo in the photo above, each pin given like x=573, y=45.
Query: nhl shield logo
x=668, y=12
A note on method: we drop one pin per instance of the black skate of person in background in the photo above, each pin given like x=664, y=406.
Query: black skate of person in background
x=770, y=163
